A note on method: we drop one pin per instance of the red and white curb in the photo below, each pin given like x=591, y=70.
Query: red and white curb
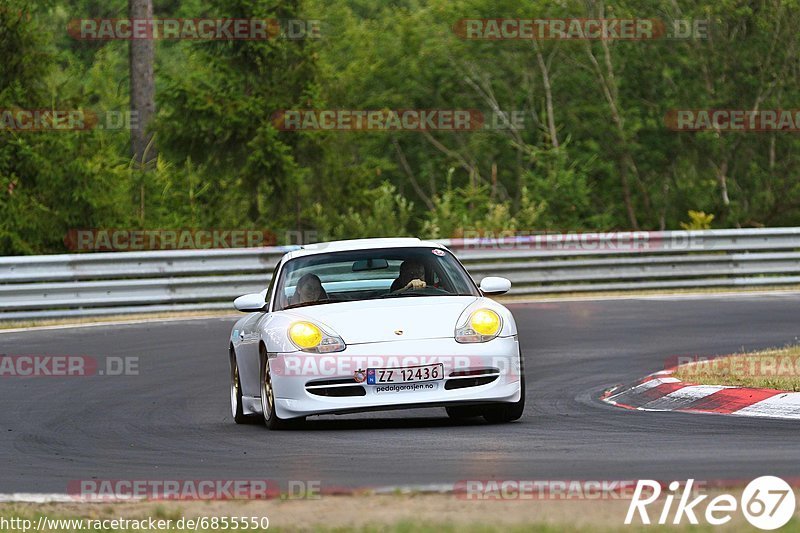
x=663, y=392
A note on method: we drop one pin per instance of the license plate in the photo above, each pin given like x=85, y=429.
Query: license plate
x=410, y=374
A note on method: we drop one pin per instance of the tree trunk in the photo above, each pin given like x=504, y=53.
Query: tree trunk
x=548, y=95
x=143, y=103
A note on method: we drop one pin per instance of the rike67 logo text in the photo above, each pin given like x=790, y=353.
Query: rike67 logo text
x=767, y=502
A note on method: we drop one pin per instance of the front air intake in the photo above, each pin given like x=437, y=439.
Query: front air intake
x=472, y=377
x=337, y=388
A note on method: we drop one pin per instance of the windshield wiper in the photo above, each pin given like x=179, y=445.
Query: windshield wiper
x=315, y=302
x=401, y=294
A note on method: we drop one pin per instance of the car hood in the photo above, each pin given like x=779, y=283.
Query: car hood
x=423, y=317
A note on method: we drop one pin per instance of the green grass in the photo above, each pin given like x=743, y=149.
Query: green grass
x=403, y=526
x=777, y=368
x=425, y=527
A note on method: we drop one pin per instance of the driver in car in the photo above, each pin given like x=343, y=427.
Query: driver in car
x=309, y=289
x=412, y=276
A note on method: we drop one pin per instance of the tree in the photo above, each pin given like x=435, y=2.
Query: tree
x=142, y=86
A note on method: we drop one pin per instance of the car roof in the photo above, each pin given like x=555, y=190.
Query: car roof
x=360, y=244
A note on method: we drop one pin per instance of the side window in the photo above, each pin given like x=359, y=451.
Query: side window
x=272, y=283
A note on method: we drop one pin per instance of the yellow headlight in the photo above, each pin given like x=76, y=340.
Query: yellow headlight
x=305, y=335
x=485, y=322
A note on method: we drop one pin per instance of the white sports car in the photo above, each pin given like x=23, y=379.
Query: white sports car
x=374, y=324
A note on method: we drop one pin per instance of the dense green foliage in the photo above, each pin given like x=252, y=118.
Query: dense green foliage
x=594, y=152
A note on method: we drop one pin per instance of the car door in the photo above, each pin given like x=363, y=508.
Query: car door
x=249, y=337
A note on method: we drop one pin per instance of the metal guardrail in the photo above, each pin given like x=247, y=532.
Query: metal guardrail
x=96, y=284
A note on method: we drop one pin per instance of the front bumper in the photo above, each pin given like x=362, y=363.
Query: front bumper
x=308, y=384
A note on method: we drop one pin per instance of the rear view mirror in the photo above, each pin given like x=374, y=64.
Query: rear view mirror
x=250, y=303
x=493, y=285
x=370, y=264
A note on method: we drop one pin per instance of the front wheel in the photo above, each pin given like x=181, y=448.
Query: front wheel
x=507, y=412
x=271, y=418
x=237, y=410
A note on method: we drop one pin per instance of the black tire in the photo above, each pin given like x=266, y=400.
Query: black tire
x=236, y=395
x=271, y=418
x=464, y=412
x=507, y=412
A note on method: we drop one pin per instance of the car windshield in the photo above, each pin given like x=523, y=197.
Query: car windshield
x=371, y=274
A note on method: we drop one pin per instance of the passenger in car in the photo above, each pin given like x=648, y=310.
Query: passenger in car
x=309, y=289
x=412, y=276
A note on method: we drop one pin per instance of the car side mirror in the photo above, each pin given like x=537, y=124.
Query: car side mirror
x=250, y=303
x=494, y=286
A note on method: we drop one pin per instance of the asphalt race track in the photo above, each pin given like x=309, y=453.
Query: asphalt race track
x=173, y=421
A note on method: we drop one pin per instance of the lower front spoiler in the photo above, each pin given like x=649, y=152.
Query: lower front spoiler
x=494, y=393
x=254, y=405
x=285, y=411
x=297, y=390
x=428, y=405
